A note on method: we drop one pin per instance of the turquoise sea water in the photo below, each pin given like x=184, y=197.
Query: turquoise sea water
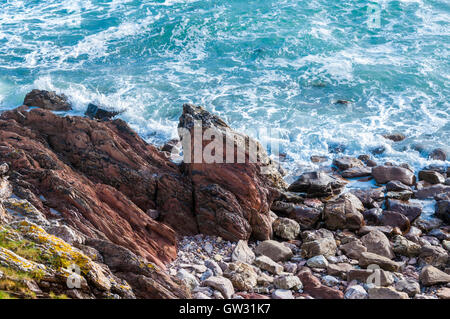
x=274, y=63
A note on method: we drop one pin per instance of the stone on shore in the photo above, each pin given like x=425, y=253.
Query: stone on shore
x=353, y=249
x=384, y=174
x=376, y=242
x=367, y=259
x=313, y=287
x=274, y=250
x=317, y=184
x=430, y=276
x=243, y=253
x=371, y=276
x=286, y=228
x=282, y=294
x=222, y=284
x=265, y=263
x=386, y=293
x=410, y=210
x=288, y=282
x=344, y=213
x=242, y=275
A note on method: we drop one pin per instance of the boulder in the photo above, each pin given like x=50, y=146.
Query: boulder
x=412, y=211
x=384, y=174
x=405, y=247
x=431, y=177
x=274, y=250
x=47, y=100
x=344, y=213
x=317, y=184
x=232, y=200
x=370, y=198
x=376, y=242
x=443, y=293
x=347, y=162
x=431, y=191
x=187, y=278
x=307, y=217
x=357, y=172
x=430, y=276
x=356, y=292
x=321, y=246
x=339, y=269
x=397, y=186
x=394, y=219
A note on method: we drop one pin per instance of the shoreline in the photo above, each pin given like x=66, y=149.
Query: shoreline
x=96, y=185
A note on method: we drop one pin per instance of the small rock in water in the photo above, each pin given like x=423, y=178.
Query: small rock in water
x=438, y=154
x=396, y=137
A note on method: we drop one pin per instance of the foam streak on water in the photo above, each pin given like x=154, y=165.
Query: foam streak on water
x=278, y=64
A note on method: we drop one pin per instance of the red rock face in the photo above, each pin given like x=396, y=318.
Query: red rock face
x=101, y=177
x=232, y=200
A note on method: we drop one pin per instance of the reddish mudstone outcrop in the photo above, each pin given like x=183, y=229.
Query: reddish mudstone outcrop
x=232, y=200
x=100, y=177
